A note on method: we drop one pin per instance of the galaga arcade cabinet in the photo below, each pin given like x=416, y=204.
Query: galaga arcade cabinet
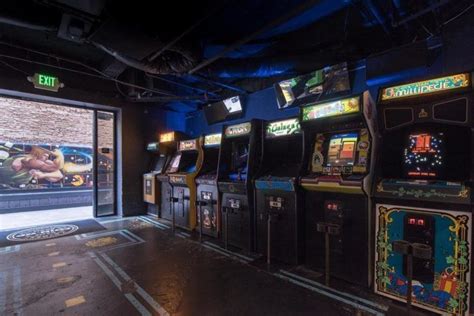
x=208, y=202
x=184, y=167
x=423, y=196
x=168, y=144
x=339, y=141
x=238, y=162
x=278, y=199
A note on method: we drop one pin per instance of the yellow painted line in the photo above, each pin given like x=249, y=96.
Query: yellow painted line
x=52, y=254
x=101, y=242
x=64, y=280
x=59, y=265
x=51, y=244
x=75, y=301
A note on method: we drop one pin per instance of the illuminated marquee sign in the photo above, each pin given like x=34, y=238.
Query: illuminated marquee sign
x=238, y=130
x=213, y=139
x=167, y=137
x=46, y=82
x=426, y=87
x=177, y=179
x=336, y=108
x=188, y=144
x=152, y=146
x=283, y=128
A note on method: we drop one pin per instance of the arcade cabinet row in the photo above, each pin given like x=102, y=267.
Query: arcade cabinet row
x=382, y=190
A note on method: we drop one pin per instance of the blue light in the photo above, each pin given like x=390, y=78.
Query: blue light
x=398, y=77
x=263, y=71
x=317, y=12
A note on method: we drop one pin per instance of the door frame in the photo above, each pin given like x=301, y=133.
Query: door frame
x=96, y=160
x=117, y=111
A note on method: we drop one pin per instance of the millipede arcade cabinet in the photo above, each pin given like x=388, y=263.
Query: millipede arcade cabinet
x=423, y=194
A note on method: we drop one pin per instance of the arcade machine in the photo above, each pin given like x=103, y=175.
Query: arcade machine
x=238, y=162
x=278, y=200
x=167, y=147
x=339, y=141
x=207, y=193
x=151, y=186
x=182, y=171
x=424, y=176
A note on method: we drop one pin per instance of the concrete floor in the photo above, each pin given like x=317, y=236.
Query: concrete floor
x=35, y=218
x=139, y=267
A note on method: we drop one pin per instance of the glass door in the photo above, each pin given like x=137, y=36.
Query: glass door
x=105, y=163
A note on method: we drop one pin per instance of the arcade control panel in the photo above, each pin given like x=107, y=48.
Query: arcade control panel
x=419, y=228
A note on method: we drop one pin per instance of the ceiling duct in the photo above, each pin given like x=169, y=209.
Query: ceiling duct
x=27, y=25
x=180, y=63
x=73, y=28
x=131, y=46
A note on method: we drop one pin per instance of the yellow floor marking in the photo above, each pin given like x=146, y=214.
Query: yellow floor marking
x=59, y=264
x=64, y=280
x=52, y=254
x=75, y=301
x=51, y=244
x=101, y=242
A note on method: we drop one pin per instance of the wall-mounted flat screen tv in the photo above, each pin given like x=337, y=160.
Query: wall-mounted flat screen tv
x=230, y=108
x=329, y=81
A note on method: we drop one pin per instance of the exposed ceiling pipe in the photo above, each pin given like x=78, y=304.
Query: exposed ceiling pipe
x=27, y=25
x=170, y=99
x=156, y=68
x=375, y=11
x=187, y=31
x=180, y=84
x=218, y=83
x=85, y=73
x=421, y=12
x=88, y=10
x=300, y=8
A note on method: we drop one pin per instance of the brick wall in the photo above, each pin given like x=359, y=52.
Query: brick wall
x=40, y=123
x=133, y=156
x=105, y=126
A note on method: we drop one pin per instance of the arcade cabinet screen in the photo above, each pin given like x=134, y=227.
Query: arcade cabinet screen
x=160, y=163
x=233, y=105
x=174, y=165
x=220, y=111
x=342, y=149
x=424, y=155
x=324, y=82
x=239, y=161
x=211, y=160
x=188, y=161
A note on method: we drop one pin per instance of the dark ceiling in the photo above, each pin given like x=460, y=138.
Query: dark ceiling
x=196, y=52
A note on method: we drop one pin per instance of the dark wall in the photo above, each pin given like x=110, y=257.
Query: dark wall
x=134, y=157
x=263, y=105
x=452, y=52
x=160, y=121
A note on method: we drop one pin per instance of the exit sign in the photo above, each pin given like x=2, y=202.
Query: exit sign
x=46, y=82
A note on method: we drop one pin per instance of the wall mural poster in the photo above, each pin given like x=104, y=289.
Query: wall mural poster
x=442, y=284
x=25, y=167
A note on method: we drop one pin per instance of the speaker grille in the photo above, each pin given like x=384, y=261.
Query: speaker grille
x=454, y=111
x=397, y=117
